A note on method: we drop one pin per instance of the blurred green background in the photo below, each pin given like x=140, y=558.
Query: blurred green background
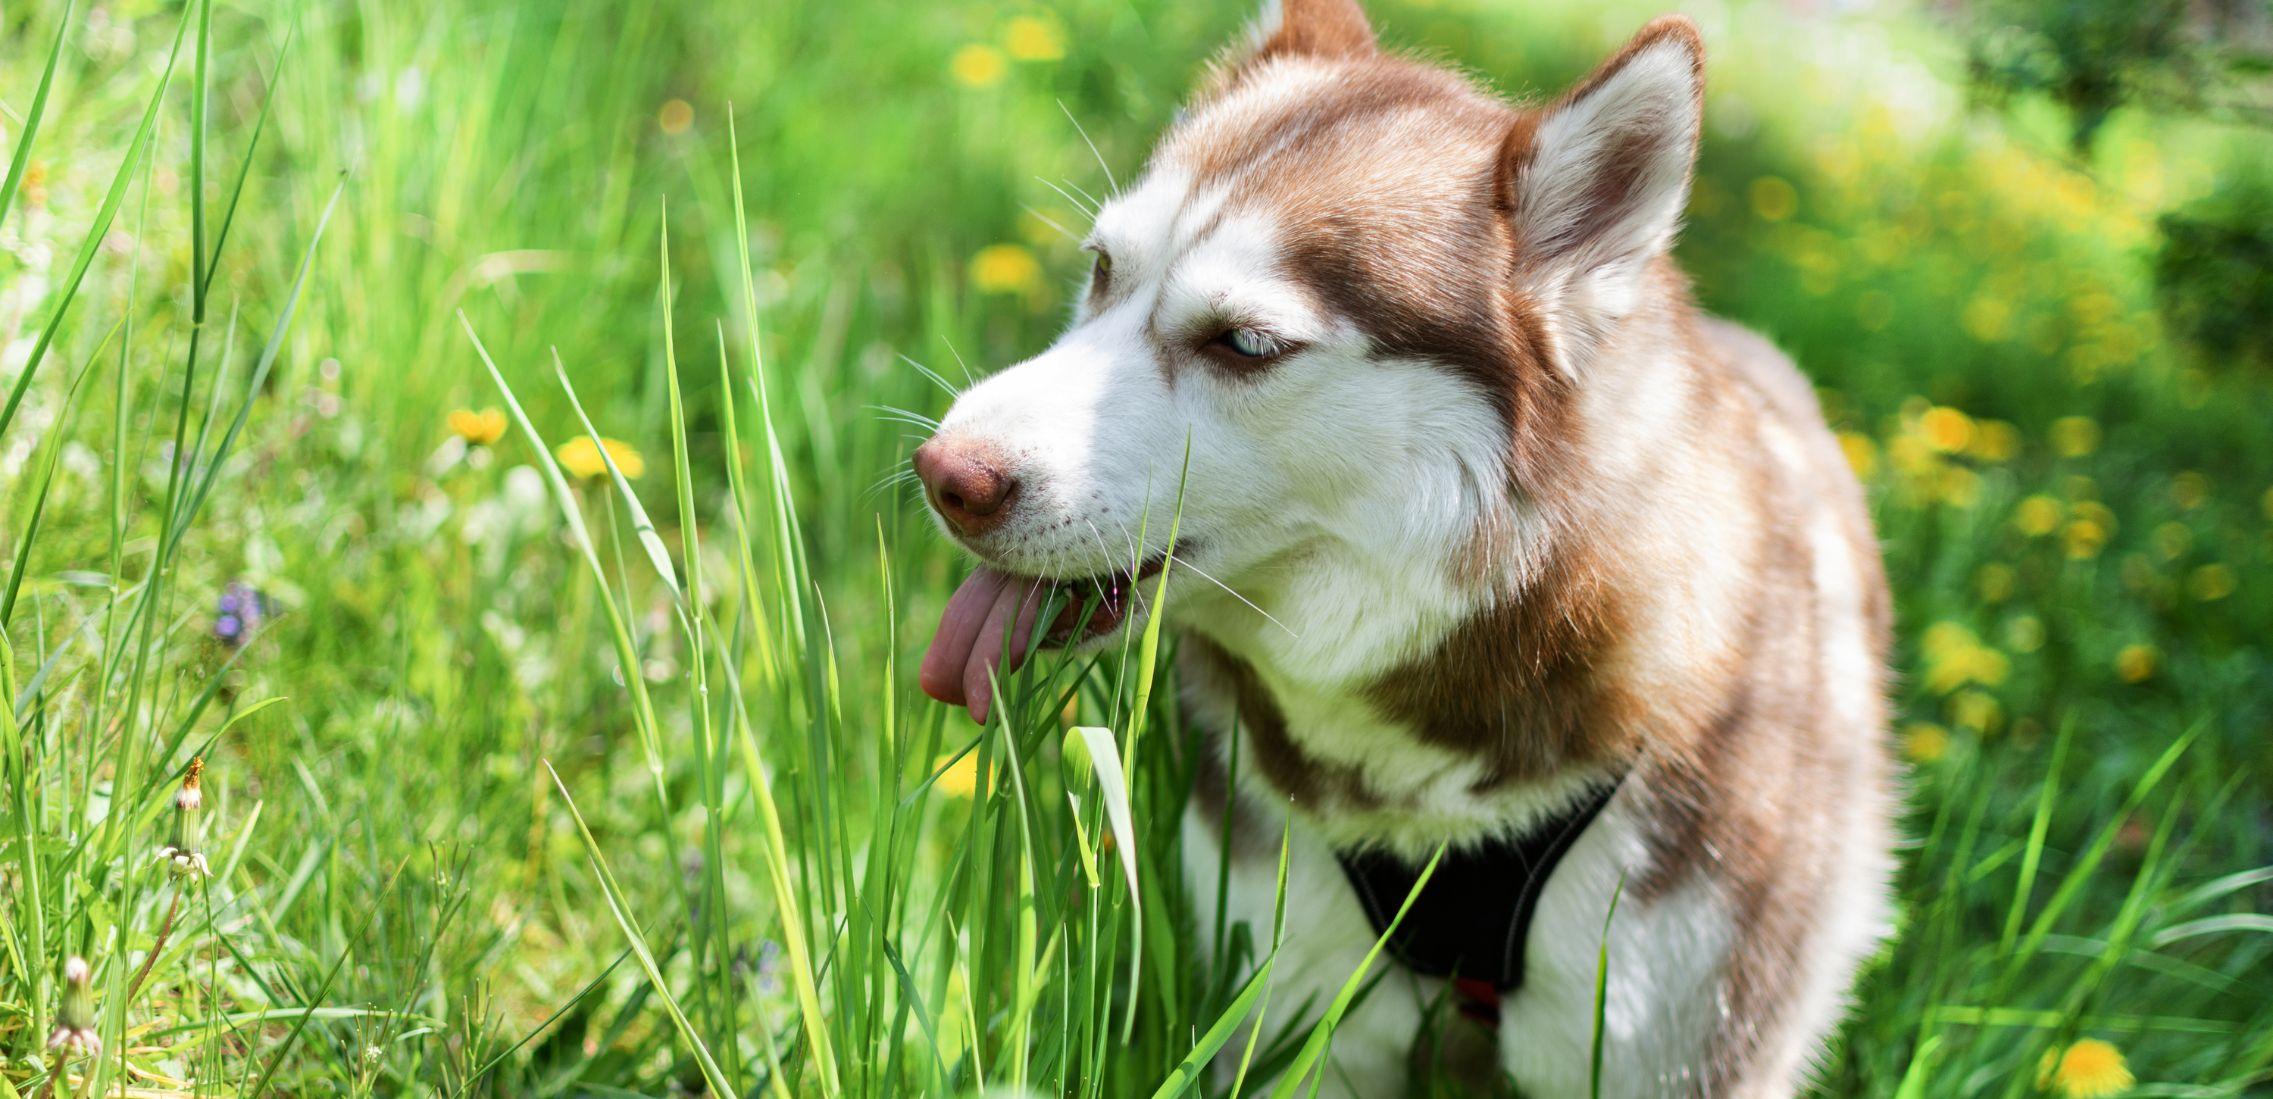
x=2022, y=249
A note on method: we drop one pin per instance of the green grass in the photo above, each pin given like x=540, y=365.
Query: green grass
x=251, y=254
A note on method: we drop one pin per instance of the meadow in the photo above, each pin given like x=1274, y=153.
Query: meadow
x=537, y=766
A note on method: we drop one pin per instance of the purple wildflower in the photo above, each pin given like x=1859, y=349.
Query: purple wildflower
x=769, y=968
x=242, y=608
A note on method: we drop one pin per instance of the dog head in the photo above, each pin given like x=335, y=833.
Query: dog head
x=1338, y=318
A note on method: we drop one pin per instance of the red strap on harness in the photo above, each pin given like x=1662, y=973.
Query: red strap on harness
x=1477, y=1001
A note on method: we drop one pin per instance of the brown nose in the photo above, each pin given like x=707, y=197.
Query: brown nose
x=968, y=483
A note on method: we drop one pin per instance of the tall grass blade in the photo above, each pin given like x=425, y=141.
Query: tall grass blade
x=1602, y=993
x=104, y=214
x=637, y=939
x=53, y=448
x=1113, y=786
x=1314, y=1050
x=21, y=161
x=642, y=527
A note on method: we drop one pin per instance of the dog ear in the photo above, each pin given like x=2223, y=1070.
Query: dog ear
x=1327, y=29
x=1310, y=28
x=1594, y=184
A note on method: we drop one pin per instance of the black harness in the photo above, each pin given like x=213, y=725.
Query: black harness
x=1470, y=925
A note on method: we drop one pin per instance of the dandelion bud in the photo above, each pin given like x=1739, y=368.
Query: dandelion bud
x=180, y=853
x=191, y=796
x=75, y=1021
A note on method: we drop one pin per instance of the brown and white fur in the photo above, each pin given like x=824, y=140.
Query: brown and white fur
x=1505, y=515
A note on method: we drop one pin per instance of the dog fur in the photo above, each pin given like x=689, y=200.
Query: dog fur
x=1497, y=516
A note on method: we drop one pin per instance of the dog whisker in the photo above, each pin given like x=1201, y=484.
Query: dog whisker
x=966, y=367
x=1085, y=208
x=1136, y=564
x=1227, y=590
x=1108, y=555
x=1102, y=166
x=904, y=474
x=1051, y=222
x=1095, y=203
x=928, y=372
x=904, y=415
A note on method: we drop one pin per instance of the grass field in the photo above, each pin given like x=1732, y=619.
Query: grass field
x=523, y=779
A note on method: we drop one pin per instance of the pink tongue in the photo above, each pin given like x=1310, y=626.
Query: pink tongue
x=969, y=644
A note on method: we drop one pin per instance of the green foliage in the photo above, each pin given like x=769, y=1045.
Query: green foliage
x=2214, y=272
x=542, y=778
x=2095, y=57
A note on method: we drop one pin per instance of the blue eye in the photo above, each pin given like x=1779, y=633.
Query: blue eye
x=1246, y=343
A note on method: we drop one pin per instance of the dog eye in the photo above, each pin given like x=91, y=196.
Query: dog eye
x=1245, y=343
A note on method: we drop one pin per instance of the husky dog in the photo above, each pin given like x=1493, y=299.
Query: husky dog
x=1488, y=534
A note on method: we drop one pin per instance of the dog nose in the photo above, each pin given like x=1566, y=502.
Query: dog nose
x=967, y=482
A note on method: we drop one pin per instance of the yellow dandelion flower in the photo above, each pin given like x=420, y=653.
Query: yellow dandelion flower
x=478, y=428
x=2037, y=515
x=675, y=117
x=1862, y=453
x=2089, y=1069
x=2083, y=539
x=961, y=778
x=1925, y=742
x=1995, y=441
x=582, y=459
x=1977, y=711
x=2212, y=582
x=1946, y=429
x=2075, y=436
x=1943, y=639
x=1909, y=454
x=1987, y=666
x=2136, y=663
x=1006, y=269
x=1773, y=198
x=1955, y=657
x=978, y=66
x=1031, y=38
x=1944, y=676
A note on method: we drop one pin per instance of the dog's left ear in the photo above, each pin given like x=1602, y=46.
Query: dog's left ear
x=1322, y=29
x=1310, y=28
x=1594, y=184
